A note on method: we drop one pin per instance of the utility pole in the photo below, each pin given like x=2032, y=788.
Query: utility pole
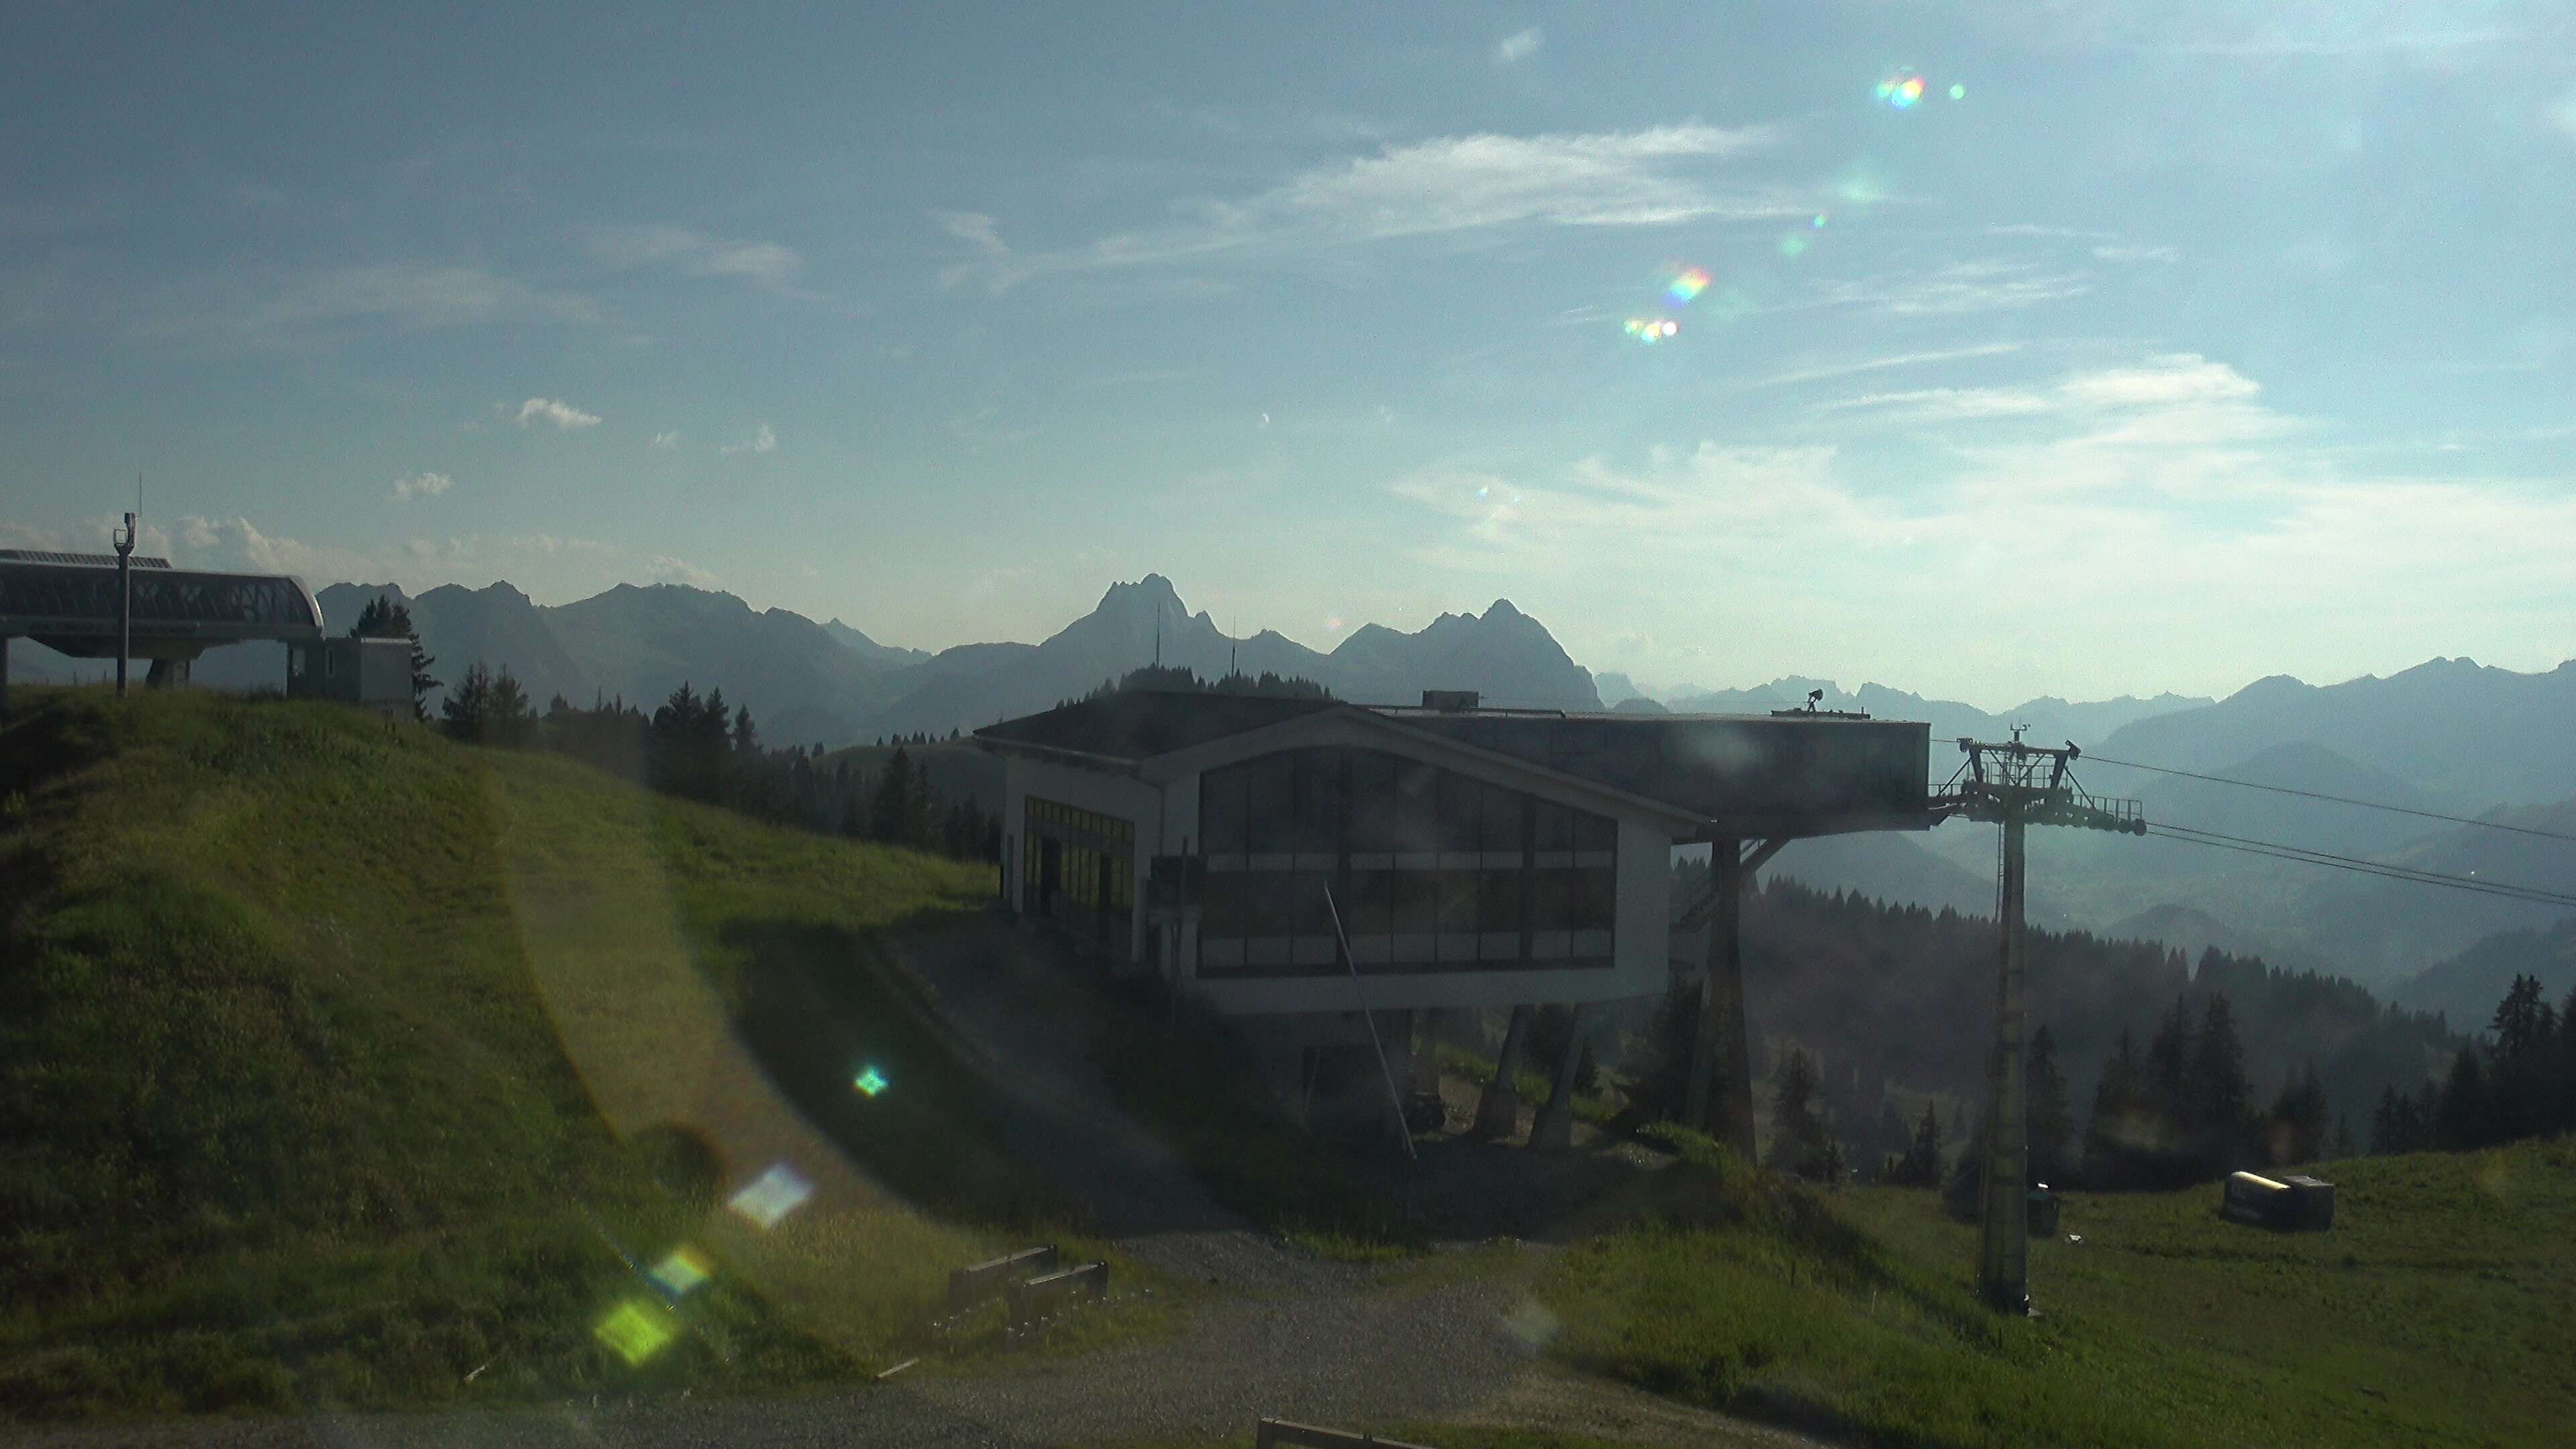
x=124, y=599
x=2016, y=785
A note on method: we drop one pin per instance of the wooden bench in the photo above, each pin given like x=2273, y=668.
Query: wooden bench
x=970, y=1286
x=1050, y=1294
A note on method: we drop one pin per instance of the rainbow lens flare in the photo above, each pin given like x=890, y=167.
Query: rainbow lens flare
x=1652, y=329
x=1902, y=90
x=771, y=1196
x=870, y=1082
x=680, y=1274
x=635, y=1331
x=1687, y=283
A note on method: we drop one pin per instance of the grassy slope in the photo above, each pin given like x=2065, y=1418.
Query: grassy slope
x=2440, y=1310
x=284, y=1117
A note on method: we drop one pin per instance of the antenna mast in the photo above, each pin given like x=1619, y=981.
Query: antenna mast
x=2016, y=785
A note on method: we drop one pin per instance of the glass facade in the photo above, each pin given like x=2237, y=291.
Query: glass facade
x=1432, y=870
x=1078, y=869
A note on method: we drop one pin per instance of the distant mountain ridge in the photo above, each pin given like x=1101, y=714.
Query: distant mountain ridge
x=2471, y=734
x=831, y=684
x=2049, y=720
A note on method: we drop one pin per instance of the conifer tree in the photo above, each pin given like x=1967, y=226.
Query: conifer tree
x=2218, y=1101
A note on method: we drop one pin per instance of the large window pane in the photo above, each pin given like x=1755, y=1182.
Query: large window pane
x=1457, y=890
x=1319, y=801
x=1271, y=801
x=1554, y=827
x=1552, y=906
x=1498, y=901
x=1376, y=809
x=1222, y=908
x=1595, y=898
x=1221, y=811
x=1459, y=798
x=1372, y=905
x=1417, y=902
x=1595, y=832
x=1269, y=911
x=1417, y=794
x=1500, y=825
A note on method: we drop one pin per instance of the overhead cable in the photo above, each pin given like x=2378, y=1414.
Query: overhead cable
x=2337, y=799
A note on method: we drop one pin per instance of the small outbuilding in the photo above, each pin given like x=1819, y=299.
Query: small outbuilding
x=370, y=673
x=2294, y=1204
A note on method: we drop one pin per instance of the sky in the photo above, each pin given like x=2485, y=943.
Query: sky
x=1989, y=351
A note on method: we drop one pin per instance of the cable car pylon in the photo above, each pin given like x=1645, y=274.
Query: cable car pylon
x=2014, y=785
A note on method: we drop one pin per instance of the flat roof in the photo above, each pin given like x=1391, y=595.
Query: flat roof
x=1793, y=773
x=1140, y=724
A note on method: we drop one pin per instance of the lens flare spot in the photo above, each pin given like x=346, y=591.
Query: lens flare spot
x=1793, y=245
x=1687, y=283
x=772, y=1196
x=1652, y=329
x=1958, y=93
x=1901, y=91
x=1334, y=624
x=635, y=1331
x=680, y=1274
x=870, y=1082
x=1819, y=222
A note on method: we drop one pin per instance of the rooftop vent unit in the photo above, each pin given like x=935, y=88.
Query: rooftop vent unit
x=1449, y=699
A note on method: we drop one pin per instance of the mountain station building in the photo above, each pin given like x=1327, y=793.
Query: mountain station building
x=1469, y=857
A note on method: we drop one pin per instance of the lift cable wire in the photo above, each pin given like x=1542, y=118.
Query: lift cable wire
x=2337, y=799
x=2278, y=851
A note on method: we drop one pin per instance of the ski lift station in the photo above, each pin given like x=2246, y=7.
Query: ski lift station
x=68, y=602
x=1470, y=857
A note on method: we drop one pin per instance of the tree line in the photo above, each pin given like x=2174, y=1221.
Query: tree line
x=698, y=747
x=2186, y=1106
x=2520, y=1082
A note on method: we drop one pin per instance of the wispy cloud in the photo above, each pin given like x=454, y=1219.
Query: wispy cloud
x=667, y=439
x=2133, y=253
x=1876, y=364
x=1446, y=187
x=1962, y=287
x=1517, y=47
x=2177, y=399
x=1944, y=404
x=2165, y=516
x=762, y=440
x=693, y=254
x=669, y=570
x=422, y=485
x=562, y=414
x=396, y=296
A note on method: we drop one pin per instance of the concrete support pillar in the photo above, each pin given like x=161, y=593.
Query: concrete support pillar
x=1499, y=1113
x=1719, y=1097
x=1555, y=1125
x=166, y=674
x=4, y=672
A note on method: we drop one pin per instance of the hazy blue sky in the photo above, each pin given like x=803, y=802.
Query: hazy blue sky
x=2193, y=342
